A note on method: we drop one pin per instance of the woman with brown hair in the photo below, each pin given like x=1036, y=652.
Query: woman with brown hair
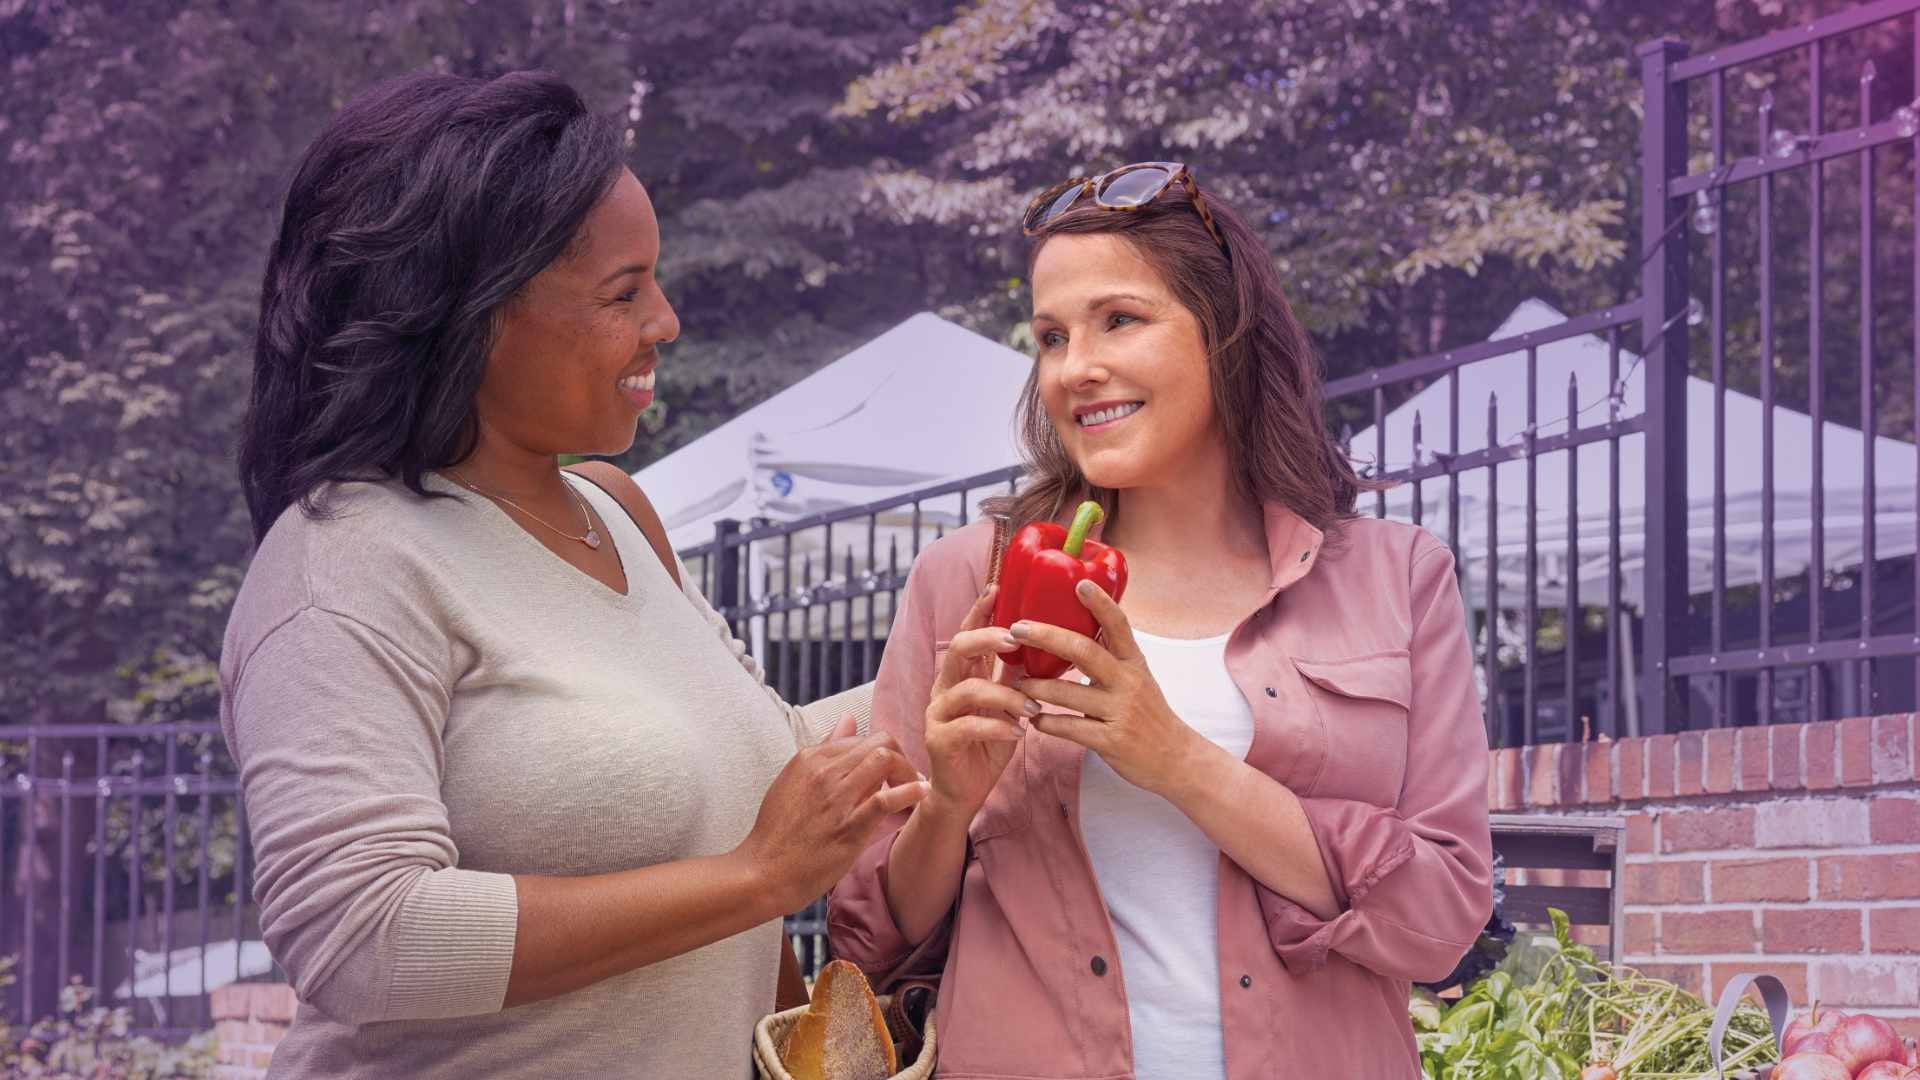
x=1225, y=843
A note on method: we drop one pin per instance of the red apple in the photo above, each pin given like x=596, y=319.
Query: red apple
x=1887, y=1070
x=1811, y=1042
x=1808, y=1022
x=1811, y=1067
x=1861, y=1040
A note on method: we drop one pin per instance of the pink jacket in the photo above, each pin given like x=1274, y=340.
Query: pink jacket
x=1358, y=670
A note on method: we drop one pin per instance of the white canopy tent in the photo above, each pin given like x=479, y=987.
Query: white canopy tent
x=924, y=403
x=1586, y=359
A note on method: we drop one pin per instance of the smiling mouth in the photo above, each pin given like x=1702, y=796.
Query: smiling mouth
x=1110, y=415
x=638, y=383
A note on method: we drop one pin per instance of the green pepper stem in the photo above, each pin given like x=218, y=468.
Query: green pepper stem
x=1084, y=519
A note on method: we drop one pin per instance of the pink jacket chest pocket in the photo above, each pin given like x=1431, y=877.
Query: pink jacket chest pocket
x=1361, y=708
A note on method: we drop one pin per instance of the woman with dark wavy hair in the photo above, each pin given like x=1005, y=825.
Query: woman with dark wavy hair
x=1224, y=843
x=520, y=804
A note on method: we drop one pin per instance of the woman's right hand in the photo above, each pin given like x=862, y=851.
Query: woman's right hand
x=822, y=810
x=973, y=720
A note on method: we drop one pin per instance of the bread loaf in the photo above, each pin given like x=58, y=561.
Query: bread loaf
x=842, y=1035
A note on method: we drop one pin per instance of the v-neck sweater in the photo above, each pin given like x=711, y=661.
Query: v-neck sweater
x=423, y=701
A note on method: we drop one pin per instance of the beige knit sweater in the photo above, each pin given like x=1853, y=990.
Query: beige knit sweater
x=423, y=700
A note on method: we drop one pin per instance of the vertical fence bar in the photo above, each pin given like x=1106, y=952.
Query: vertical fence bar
x=1453, y=477
x=102, y=788
x=1380, y=448
x=65, y=969
x=1663, y=289
x=845, y=682
x=1496, y=731
x=1868, y=407
x=1914, y=300
x=30, y=802
x=1816, y=391
x=1529, y=673
x=242, y=887
x=175, y=783
x=1570, y=607
x=1419, y=460
x=808, y=689
x=205, y=810
x=789, y=684
x=1767, y=361
x=873, y=597
x=726, y=562
x=1723, y=685
x=135, y=851
x=1615, y=690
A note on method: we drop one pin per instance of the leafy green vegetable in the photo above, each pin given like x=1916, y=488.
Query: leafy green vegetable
x=1551, y=1006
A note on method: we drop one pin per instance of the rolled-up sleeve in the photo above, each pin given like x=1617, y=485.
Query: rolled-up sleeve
x=860, y=925
x=1413, y=881
x=337, y=733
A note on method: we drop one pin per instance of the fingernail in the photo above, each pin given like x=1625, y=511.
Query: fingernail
x=1007, y=641
x=1019, y=630
x=1032, y=707
x=1086, y=588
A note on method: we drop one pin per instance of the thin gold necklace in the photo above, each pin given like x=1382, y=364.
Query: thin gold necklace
x=592, y=535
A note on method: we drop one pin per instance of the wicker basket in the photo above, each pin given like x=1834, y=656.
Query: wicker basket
x=771, y=1029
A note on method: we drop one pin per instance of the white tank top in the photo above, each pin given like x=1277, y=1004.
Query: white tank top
x=1160, y=875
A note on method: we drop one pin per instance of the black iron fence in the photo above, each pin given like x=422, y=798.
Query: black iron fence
x=1646, y=543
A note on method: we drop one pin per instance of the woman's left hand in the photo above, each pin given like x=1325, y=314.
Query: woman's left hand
x=1127, y=720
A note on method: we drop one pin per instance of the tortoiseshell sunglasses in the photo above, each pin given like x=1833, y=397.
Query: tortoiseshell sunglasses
x=1128, y=187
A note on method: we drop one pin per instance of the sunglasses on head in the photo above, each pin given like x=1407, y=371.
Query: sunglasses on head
x=1128, y=187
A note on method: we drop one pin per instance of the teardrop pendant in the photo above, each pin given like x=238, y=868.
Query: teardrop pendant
x=592, y=539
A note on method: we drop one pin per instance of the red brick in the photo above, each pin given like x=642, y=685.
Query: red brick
x=1506, y=766
x=1810, y=930
x=1720, y=761
x=1793, y=823
x=230, y=1031
x=1856, y=751
x=1543, y=775
x=1598, y=760
x=1794, y=975
x=1707, y=830
x=1894, y=930
x=1666, y=883
x=262, y=1058
x=1855, y=982
x=1891, y=755
x=1869, y=877
x=1684, y=976
x=1739, y=881
x=1818, y=753
x=1641, y=938
x=1753, y=760
x=1572, y=766
x=1685, y=932
x=1785, y=741
x=1895, y=820
x=1689, y=754
x=1633, y=769
x=1660, y=774
x=1640, y=834
x=232, y=1002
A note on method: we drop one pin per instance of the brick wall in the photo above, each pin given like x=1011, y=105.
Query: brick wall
x=1792, y=849
x=249, y=1019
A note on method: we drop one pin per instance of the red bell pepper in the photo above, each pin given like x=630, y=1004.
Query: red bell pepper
x=1042, y=565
